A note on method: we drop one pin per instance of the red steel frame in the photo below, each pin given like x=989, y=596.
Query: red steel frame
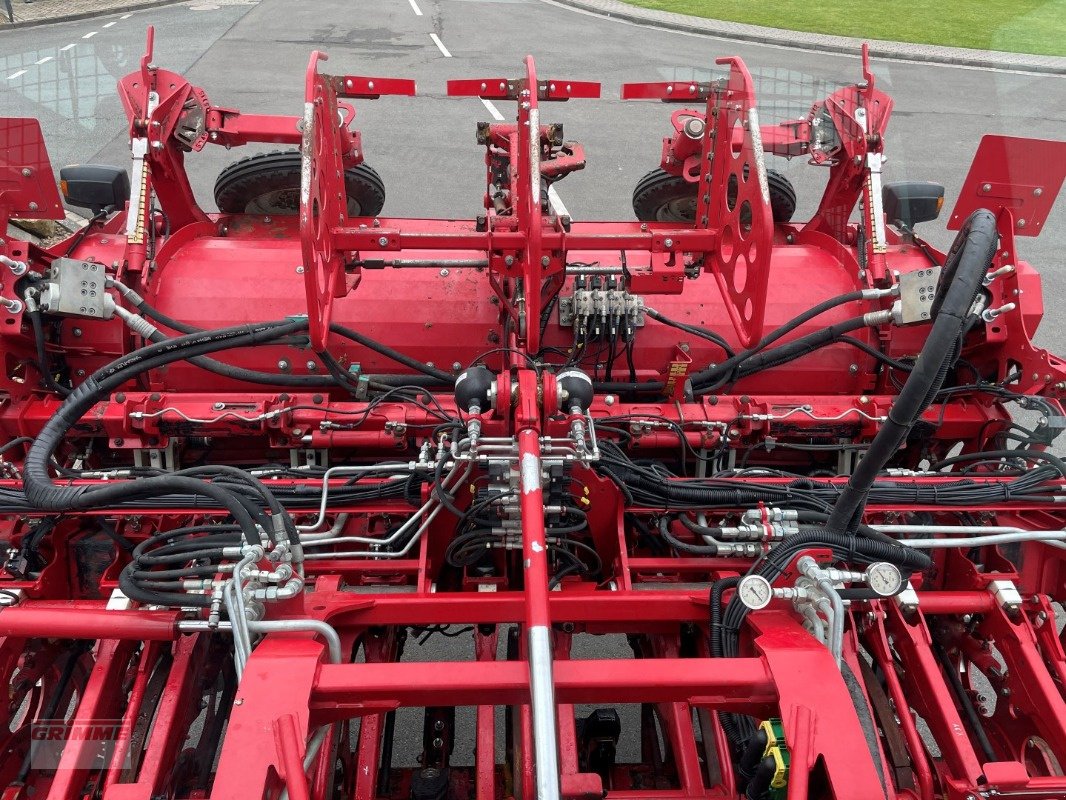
x=143, y=668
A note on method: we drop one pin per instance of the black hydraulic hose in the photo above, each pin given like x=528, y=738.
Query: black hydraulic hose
x=700, y=530
x=718, y=590
x=750, y=757
x=685, y=547
x=798, y=348
x=876, y=353
x=759, y=785
x=972, y=253
x=869, y=550
x=150, y=311
x=963, y=699
x=15, y=443
x=847, y=547
x=737, y=727
x=818, y=518
x=74, y=653
x=695, y=330
x=1037, y=455
x=43, y=364
x=715, y=376
x=43, y=494
x=725, y=369
x=390, y=353
x=133, y=590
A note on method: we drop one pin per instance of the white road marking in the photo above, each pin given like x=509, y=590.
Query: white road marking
x=89, y=35
x=557, y=202
x=496, y=115
x=44, y=60
x=440, y=45
x=126, y=16
x=14, y=75
x=109, y=24
x=68, y=47
x=415, y=8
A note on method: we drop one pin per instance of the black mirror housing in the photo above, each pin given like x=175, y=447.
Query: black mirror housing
x=94, y=186
x=907, y=203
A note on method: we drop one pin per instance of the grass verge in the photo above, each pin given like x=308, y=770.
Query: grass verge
x=1016, y=26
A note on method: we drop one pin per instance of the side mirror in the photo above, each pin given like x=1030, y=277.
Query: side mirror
x=94, y=186
x=909, y=202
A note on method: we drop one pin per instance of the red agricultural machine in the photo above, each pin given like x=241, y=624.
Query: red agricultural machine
x=793, y=478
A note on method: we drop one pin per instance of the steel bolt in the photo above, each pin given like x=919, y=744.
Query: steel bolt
x=444, y=273
x=509, y=260
x=300, y=270
x=312, y=366
x=609, y=400
x=986, y=187
x=383, y=241
x=283, y=364
x=76, y=331
x=33, y=206
x=456, y=366
x=218, y=406
x=26, y=172
x=545, y=261
x=668, y=243
x=853, y=369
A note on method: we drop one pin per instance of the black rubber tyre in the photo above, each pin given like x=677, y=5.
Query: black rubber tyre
x=662, y=197
x=269, y=183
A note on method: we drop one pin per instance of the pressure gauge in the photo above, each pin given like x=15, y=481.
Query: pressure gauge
x=755, y=592
x=884, y=578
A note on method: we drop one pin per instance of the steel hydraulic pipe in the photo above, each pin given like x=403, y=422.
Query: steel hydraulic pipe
x=538, y=618
x=73, y=622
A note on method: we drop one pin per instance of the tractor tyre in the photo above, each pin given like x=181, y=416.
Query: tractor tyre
x=662, y=197
x=269, y=183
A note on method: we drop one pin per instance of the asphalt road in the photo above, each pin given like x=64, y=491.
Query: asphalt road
x=252, y=55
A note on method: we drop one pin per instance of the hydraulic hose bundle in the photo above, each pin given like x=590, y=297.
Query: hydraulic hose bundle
x=245, y=498
x=965, y=267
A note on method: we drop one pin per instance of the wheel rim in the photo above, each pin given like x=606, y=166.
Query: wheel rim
x=680, y=209
x=287, y=201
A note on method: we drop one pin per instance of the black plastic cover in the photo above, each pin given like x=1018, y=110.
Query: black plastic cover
x=909, y=202
x=94, y=186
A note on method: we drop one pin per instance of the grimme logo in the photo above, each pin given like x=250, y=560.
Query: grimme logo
x=77, y=745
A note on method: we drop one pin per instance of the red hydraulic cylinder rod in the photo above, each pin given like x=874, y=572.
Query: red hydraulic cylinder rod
x=72, y=622
x=949, y=602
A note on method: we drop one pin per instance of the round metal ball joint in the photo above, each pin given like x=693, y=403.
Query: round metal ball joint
x=474, y=388
x=575, y=391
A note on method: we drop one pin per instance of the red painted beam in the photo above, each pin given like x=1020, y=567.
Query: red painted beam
x=704, y=681
x=638, y=608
